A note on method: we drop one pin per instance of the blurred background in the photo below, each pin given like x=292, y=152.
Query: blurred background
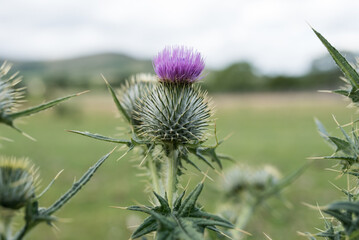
x=264, y=67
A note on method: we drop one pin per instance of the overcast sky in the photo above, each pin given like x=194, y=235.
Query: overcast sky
x=273, y=34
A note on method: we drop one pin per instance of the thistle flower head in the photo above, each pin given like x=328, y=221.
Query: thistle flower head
x=131, y=93
x=18, y=182
x=174, y=113
x=178, y=64
x=10, y=98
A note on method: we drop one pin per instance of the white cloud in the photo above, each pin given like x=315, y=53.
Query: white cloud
x=271, y=33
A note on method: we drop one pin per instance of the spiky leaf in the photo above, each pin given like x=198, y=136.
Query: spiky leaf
x=342, y=63
x=184, y=221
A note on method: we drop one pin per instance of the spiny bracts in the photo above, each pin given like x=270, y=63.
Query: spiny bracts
x=174, y=113
x=18, y=182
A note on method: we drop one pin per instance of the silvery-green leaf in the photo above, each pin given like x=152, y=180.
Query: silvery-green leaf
x=41, y=107
x=102, y=138
x=184, y=221
x=117, y=102
x=341, y=145
x=342, y=63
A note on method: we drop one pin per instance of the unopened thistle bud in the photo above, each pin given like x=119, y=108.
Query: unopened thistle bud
x=133, y=91
x=175, y=111
x=10, y=97
x=18, y=182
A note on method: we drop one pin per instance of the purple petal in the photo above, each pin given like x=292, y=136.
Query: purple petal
x=178, y=64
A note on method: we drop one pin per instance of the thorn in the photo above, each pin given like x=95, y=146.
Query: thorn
x=103, y=77
x=65, y=220
x=242, y=231
x=222, y=233
x=112, y=150
x=144, y=158
x=348, y=124
x=332, y=170
x=309, y=24
x=302, y=234
x=123, y=154
x=83, y=92
x=122, y=208
x=312, y=206
x=267, y=236
x=58, y=174
x=335, y=120
x=26, y=135
x=187, y=185
x=338, y=188
x=6, y=139
x=221, y=173
x=206, y=176
x=228, y=136
x=55, y=227
x=133, y=227
x=314, y=158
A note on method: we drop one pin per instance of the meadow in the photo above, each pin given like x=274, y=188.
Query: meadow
x=268, y=128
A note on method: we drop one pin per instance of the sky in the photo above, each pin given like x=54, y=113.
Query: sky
x=274, y=35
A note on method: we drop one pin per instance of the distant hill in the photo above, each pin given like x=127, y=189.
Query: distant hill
x=83, y=70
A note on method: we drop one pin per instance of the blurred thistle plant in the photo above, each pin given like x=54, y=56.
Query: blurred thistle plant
x=343, y=223
x=12, y=97
x=242, y=178
x=18, y=187
x=245, y=189
x=173, y=115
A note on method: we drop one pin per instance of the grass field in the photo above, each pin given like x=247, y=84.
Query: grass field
x=275, y=129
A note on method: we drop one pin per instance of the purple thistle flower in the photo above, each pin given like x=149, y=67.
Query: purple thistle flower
x=178, y=64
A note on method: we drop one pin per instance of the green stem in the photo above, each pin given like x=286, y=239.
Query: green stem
x=247, y=210
x=244, y=217
x=171, y=187
x=7, y=225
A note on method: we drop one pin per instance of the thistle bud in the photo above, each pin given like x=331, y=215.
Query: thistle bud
x=18, y=181
x=10, y=97
x=175, y=111
x=131, y=93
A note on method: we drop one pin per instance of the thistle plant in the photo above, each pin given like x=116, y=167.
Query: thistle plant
x=343, y=222
x=170, y=119
x=245, y=189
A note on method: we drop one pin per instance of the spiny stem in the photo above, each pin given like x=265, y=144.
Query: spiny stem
x=245, y=214
x=154, y=175
x=7, y=221
x=171, y=187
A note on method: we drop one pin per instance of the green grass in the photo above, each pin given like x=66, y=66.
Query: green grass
x=276, y=133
